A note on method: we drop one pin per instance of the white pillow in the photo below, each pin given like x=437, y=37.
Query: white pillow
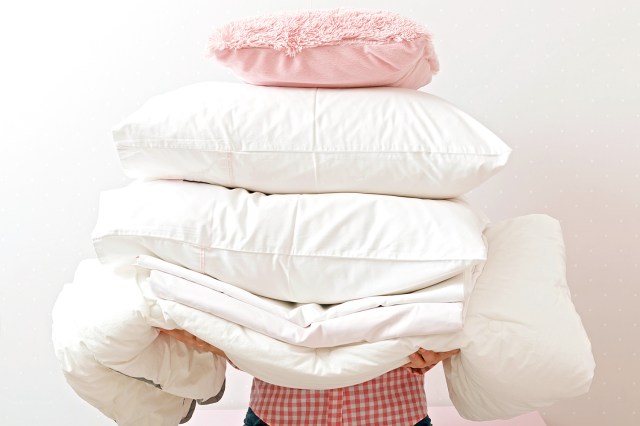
x=318, y=248
x=293, y=140
x=526, y=346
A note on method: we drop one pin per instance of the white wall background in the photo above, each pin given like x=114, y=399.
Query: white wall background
x=557, y=80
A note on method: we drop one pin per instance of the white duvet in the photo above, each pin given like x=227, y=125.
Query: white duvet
x=513, y=359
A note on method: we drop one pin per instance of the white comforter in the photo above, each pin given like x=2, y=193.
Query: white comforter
x=513, y=359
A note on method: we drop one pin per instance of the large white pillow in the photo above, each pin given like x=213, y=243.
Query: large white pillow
x=316, y=248
x=294, y=140
x=526, y=347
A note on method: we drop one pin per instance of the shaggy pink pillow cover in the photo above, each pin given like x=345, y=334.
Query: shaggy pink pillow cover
x=327, y=48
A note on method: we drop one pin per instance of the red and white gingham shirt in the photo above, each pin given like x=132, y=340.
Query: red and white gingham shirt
x=396, y=398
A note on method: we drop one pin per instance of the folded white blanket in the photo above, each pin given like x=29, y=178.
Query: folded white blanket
x=513, y=359
x=363, y=320
x=455, y=289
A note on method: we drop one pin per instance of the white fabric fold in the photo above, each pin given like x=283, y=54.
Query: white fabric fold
x=163, y=274
x=362, y=325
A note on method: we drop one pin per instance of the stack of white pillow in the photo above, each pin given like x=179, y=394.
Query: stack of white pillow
x=363, y=214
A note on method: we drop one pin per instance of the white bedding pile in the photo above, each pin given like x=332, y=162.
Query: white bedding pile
x=356, y=259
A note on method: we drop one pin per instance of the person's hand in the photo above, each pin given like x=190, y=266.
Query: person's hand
x=423, y=360
x=192, y=341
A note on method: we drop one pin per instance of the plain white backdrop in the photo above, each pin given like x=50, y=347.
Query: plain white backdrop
x=556, y=80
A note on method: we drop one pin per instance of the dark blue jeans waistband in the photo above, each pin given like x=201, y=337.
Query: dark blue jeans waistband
x=252, y=420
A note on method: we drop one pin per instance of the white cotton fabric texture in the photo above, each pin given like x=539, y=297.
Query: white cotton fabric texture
x=513, y=359
x=305, y=140
x=304, y=248
x=369, y=319
x=114, y=360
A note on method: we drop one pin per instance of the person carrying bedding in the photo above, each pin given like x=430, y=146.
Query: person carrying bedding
x=332, y=48
x=407, y=153
x=394, y=398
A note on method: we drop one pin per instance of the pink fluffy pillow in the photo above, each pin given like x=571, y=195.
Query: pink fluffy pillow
x=327, y=48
